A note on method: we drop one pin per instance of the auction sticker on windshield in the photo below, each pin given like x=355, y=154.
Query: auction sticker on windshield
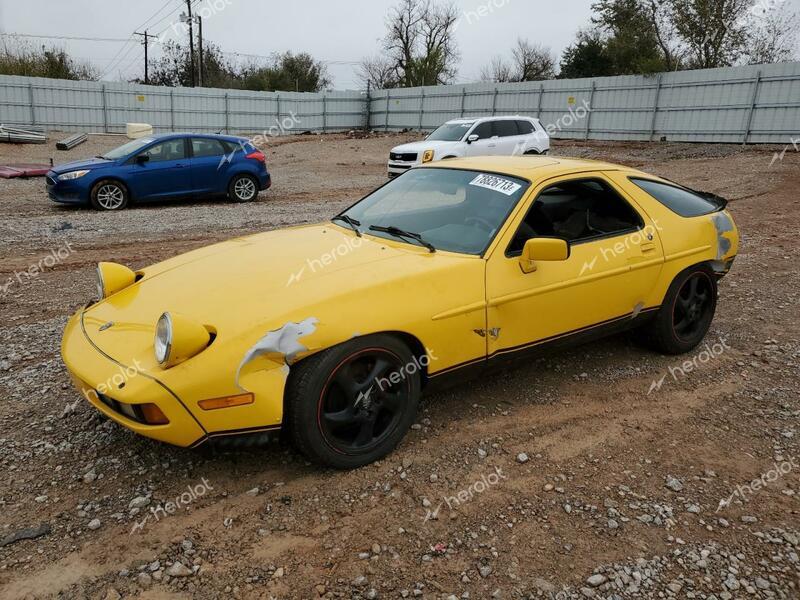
x=498, y=184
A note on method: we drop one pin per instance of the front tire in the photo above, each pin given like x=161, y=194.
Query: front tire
x=686, y=314
x=350, y=405
x=109, y=194
x=243, y=188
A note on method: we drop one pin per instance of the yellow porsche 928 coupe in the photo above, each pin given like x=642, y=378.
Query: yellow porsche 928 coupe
x=332, y=331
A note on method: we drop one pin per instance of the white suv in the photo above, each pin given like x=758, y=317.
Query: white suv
x=473, y=137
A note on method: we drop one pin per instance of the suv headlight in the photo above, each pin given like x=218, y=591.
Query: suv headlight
x=111, y=278
x=72, y=175
x=178, y=338
x=427, y=156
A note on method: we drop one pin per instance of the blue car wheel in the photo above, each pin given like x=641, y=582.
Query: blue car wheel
x=109, y=194
x=243, y=188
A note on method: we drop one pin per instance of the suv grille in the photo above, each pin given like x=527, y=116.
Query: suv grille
x=407, y=157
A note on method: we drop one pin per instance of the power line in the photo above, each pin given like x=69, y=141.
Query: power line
x=65, y=37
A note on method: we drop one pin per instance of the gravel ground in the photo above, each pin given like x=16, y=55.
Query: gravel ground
x=568, y=478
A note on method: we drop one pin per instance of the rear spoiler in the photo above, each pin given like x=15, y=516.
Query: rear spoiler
x=717, y=200
x=720, y=202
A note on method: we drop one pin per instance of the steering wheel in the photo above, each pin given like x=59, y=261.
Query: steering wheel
x=479, y=223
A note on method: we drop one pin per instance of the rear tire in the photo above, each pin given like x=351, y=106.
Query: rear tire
x=243, y=188
x=686, y=314
x=109, y=194
x=343, y=411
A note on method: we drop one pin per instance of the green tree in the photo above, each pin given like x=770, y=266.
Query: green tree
x=632, y=42
x=54, y=63
x=588, y=56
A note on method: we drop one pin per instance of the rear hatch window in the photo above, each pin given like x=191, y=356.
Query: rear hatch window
x=680, y=200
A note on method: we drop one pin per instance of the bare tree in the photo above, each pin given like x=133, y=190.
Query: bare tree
x=377, y=73
x=773, y=36
x=498, y=71
x=533, y=61
x=419, y=45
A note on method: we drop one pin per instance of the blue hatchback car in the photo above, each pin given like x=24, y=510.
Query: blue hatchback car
x=163, y=167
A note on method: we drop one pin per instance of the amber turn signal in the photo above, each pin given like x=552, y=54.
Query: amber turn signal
x=153, y=415
x=226, y=402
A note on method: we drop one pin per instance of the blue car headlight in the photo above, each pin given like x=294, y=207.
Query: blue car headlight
x=72, y=175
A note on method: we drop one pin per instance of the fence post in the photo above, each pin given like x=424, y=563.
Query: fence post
x=539, y=104
x=33, y=107
x=227, y=113
x=171, y=110
x=589, y=114
x=463, y=100
x=105, y=108
x=324, y=112
x=278, y=108
x=421, y=107
x=655, y=108
x=386, y=125
x=756, y=84
x=368, y=109
x=494, y=103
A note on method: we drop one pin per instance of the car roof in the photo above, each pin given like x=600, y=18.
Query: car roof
x=218, y=136
x=532, y=168
x=496, y=118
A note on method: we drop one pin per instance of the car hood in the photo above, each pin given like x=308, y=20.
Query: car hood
x=420, y=147
x=91, y=163
x=259, y=282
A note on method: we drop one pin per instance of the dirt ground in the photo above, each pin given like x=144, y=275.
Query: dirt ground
x=576, y=476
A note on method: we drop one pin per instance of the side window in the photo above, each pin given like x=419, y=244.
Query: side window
x=525, y=127
x=505, y=128
x=484, y=131
x=678, y=200
x=577, y=211
x=202, y=147
x=169, y=150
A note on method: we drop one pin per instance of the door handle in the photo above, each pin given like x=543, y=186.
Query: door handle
x=180, y=166
x=647, y=247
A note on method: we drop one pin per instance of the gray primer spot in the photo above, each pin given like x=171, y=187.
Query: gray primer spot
x=284, y=342
x=637, y=309
x=723, y=224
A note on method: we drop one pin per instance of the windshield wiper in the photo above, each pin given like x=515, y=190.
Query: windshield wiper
x=397, y=232
x=350, y=221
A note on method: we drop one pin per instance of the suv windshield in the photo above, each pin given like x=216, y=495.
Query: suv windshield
x=452, y=209
x=128, y=148
x=450, y=132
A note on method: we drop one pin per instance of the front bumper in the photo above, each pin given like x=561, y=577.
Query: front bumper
x=66, y=192
x=98, y=378
x=396, y=168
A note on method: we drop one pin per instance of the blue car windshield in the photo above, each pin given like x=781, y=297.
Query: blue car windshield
x=129, y=148
x=452, y=209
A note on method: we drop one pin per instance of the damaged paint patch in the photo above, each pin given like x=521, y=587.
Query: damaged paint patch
x=637, y=309
x=284, y=342
x=723, y=224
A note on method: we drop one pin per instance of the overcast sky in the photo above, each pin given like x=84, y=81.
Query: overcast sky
x=342, y=31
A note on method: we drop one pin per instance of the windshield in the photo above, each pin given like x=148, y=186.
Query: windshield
x=451, y=132
x=128, y=148
x=452, y=209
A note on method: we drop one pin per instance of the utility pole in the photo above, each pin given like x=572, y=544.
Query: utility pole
x=200, y=27
x=145, y=42
x=190, y=22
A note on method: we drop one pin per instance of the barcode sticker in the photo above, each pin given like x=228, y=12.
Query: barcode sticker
x=497, y=184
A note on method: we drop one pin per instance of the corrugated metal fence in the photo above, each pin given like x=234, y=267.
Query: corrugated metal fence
x=750, y=104
x=106, y=107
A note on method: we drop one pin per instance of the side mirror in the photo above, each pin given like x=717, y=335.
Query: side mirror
x=473, y=138
x=142, y=158
x=544, y=249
